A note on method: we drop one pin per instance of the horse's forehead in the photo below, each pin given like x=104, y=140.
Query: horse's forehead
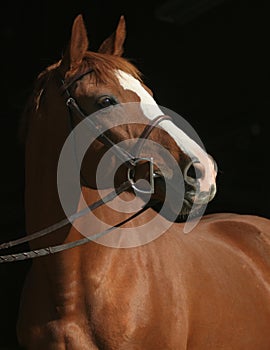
x=128, y=82
x=149, y=106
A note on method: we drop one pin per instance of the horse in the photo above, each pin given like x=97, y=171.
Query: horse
x=209, y=289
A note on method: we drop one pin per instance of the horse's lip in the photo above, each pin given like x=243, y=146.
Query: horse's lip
x=200, y=199
x=190, y=197
x=188, y=203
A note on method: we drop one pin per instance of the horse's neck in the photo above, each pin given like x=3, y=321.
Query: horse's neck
x=121, y=223
x=112, y=213
x=45, y=139
x=96, y=253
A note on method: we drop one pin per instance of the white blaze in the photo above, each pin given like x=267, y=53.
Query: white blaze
x=185, y=143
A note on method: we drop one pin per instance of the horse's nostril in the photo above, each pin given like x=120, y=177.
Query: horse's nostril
x=191, y=172
x=194, y=171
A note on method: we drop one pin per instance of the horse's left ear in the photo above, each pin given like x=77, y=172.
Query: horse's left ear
x=77, y=47
x=113, y=45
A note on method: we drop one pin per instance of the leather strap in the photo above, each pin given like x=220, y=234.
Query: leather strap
x=66, y=246
x=62, y=223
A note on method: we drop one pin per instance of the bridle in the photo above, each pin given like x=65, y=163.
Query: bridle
x=130, y=161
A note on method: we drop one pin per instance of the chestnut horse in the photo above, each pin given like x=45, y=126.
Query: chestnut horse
x=209, y=289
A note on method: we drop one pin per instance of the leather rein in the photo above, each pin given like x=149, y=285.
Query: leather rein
x=128, y=159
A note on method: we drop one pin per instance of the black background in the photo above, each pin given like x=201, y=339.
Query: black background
x=213, y=69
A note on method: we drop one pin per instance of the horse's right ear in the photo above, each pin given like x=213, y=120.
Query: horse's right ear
x=77, y=47
x=113, y=45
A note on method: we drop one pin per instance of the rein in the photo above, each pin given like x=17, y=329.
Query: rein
x=126, y=185
x=129, y=160
x=63, y=247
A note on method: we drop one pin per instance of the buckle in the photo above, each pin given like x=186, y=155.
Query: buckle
x=131, y=172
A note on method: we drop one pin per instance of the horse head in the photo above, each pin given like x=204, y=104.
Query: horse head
x=107, y=87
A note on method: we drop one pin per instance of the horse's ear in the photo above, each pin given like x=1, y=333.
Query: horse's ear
x=113, y=45
x=77, y=47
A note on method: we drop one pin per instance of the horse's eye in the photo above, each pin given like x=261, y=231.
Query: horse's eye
x=106, y=101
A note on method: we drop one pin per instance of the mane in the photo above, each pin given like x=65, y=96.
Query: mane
x=33, y=101
x=103, y=66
